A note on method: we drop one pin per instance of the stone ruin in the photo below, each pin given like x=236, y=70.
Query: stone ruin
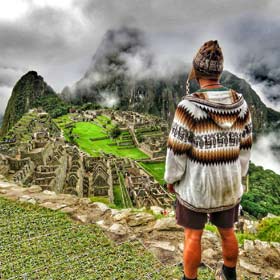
x=85, y=116
x=46, y=160
x=151, y=144
x=142, y=188
x=146, y=132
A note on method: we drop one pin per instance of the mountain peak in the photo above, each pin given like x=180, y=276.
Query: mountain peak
x=29, y=92
x=31, y=73
x=116, y=47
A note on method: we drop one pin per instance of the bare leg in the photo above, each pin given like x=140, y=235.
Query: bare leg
x=192, y=252
x=229, y=246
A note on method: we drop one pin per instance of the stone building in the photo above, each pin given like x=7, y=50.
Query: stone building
x=39, y=155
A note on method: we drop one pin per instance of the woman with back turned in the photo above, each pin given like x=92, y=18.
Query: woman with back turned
x=208, y=152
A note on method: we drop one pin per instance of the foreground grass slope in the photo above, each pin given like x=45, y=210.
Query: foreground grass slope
x=38, y=243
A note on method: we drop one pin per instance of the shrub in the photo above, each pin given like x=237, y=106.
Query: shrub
x=269, y=229
x=115, y=132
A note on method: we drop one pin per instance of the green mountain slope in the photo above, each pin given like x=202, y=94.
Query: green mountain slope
x=29, y=92
x=264, y=193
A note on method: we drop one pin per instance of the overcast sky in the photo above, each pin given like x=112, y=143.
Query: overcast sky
x=58, y=38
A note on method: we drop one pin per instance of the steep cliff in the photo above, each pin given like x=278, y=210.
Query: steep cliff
x=31, y=91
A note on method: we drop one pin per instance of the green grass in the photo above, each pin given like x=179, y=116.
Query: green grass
x=242, y=236
x=269, y=229
x=20, y=128
x=90, y=130
x=118, y=196
x=126, y=198
x=103, y=199
x=87, y=130
x=38, y=243
x=156, y=169
x=211, y=227
x=62, y=120
x=84, y=131
x=103, y=118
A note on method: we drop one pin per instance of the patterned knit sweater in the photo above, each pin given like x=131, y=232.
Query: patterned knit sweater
x=208, y=149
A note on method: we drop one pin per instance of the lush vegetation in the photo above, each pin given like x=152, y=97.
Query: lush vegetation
x=85, y=132
x=156, y=169
x=66, y=125
x=118, y=200
x=52, y=104
x=86, y=135
x=115, y=132
x=38, y=243
x=124, y=192
x=103, y=199
x=21, y=130
x=264, y=192
x=29, y=92
x=267, y=230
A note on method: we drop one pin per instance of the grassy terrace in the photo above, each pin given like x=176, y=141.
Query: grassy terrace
x=88, y=130
x=62, y=122
x=38, y=243
x=156, y=169
x=21, y=128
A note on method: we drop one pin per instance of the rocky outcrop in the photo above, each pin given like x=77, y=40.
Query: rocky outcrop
x=161, y=236
x=31, y=91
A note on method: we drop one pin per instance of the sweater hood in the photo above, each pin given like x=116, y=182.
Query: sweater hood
x=223, y=105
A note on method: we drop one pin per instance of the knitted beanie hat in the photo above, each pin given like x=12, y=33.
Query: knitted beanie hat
x=208, y=62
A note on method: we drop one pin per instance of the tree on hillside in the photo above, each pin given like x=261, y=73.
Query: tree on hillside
x=115, y=132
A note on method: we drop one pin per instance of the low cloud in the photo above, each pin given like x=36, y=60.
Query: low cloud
x=8, y=75
x=5, y=93
x=265, y=153
x=146, y=64
x=108, y=99
x=127, y=52
x=257, y=54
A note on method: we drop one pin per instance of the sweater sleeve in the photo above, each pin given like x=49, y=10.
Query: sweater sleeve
x=178, y=144
x=246, y=144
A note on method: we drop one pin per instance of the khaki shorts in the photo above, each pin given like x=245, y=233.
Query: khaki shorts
x=196, y=220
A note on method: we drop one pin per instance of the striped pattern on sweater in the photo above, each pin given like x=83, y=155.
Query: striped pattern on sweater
x=208, y=150
x=203, y=138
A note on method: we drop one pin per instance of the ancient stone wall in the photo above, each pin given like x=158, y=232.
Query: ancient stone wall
x=60, y=173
